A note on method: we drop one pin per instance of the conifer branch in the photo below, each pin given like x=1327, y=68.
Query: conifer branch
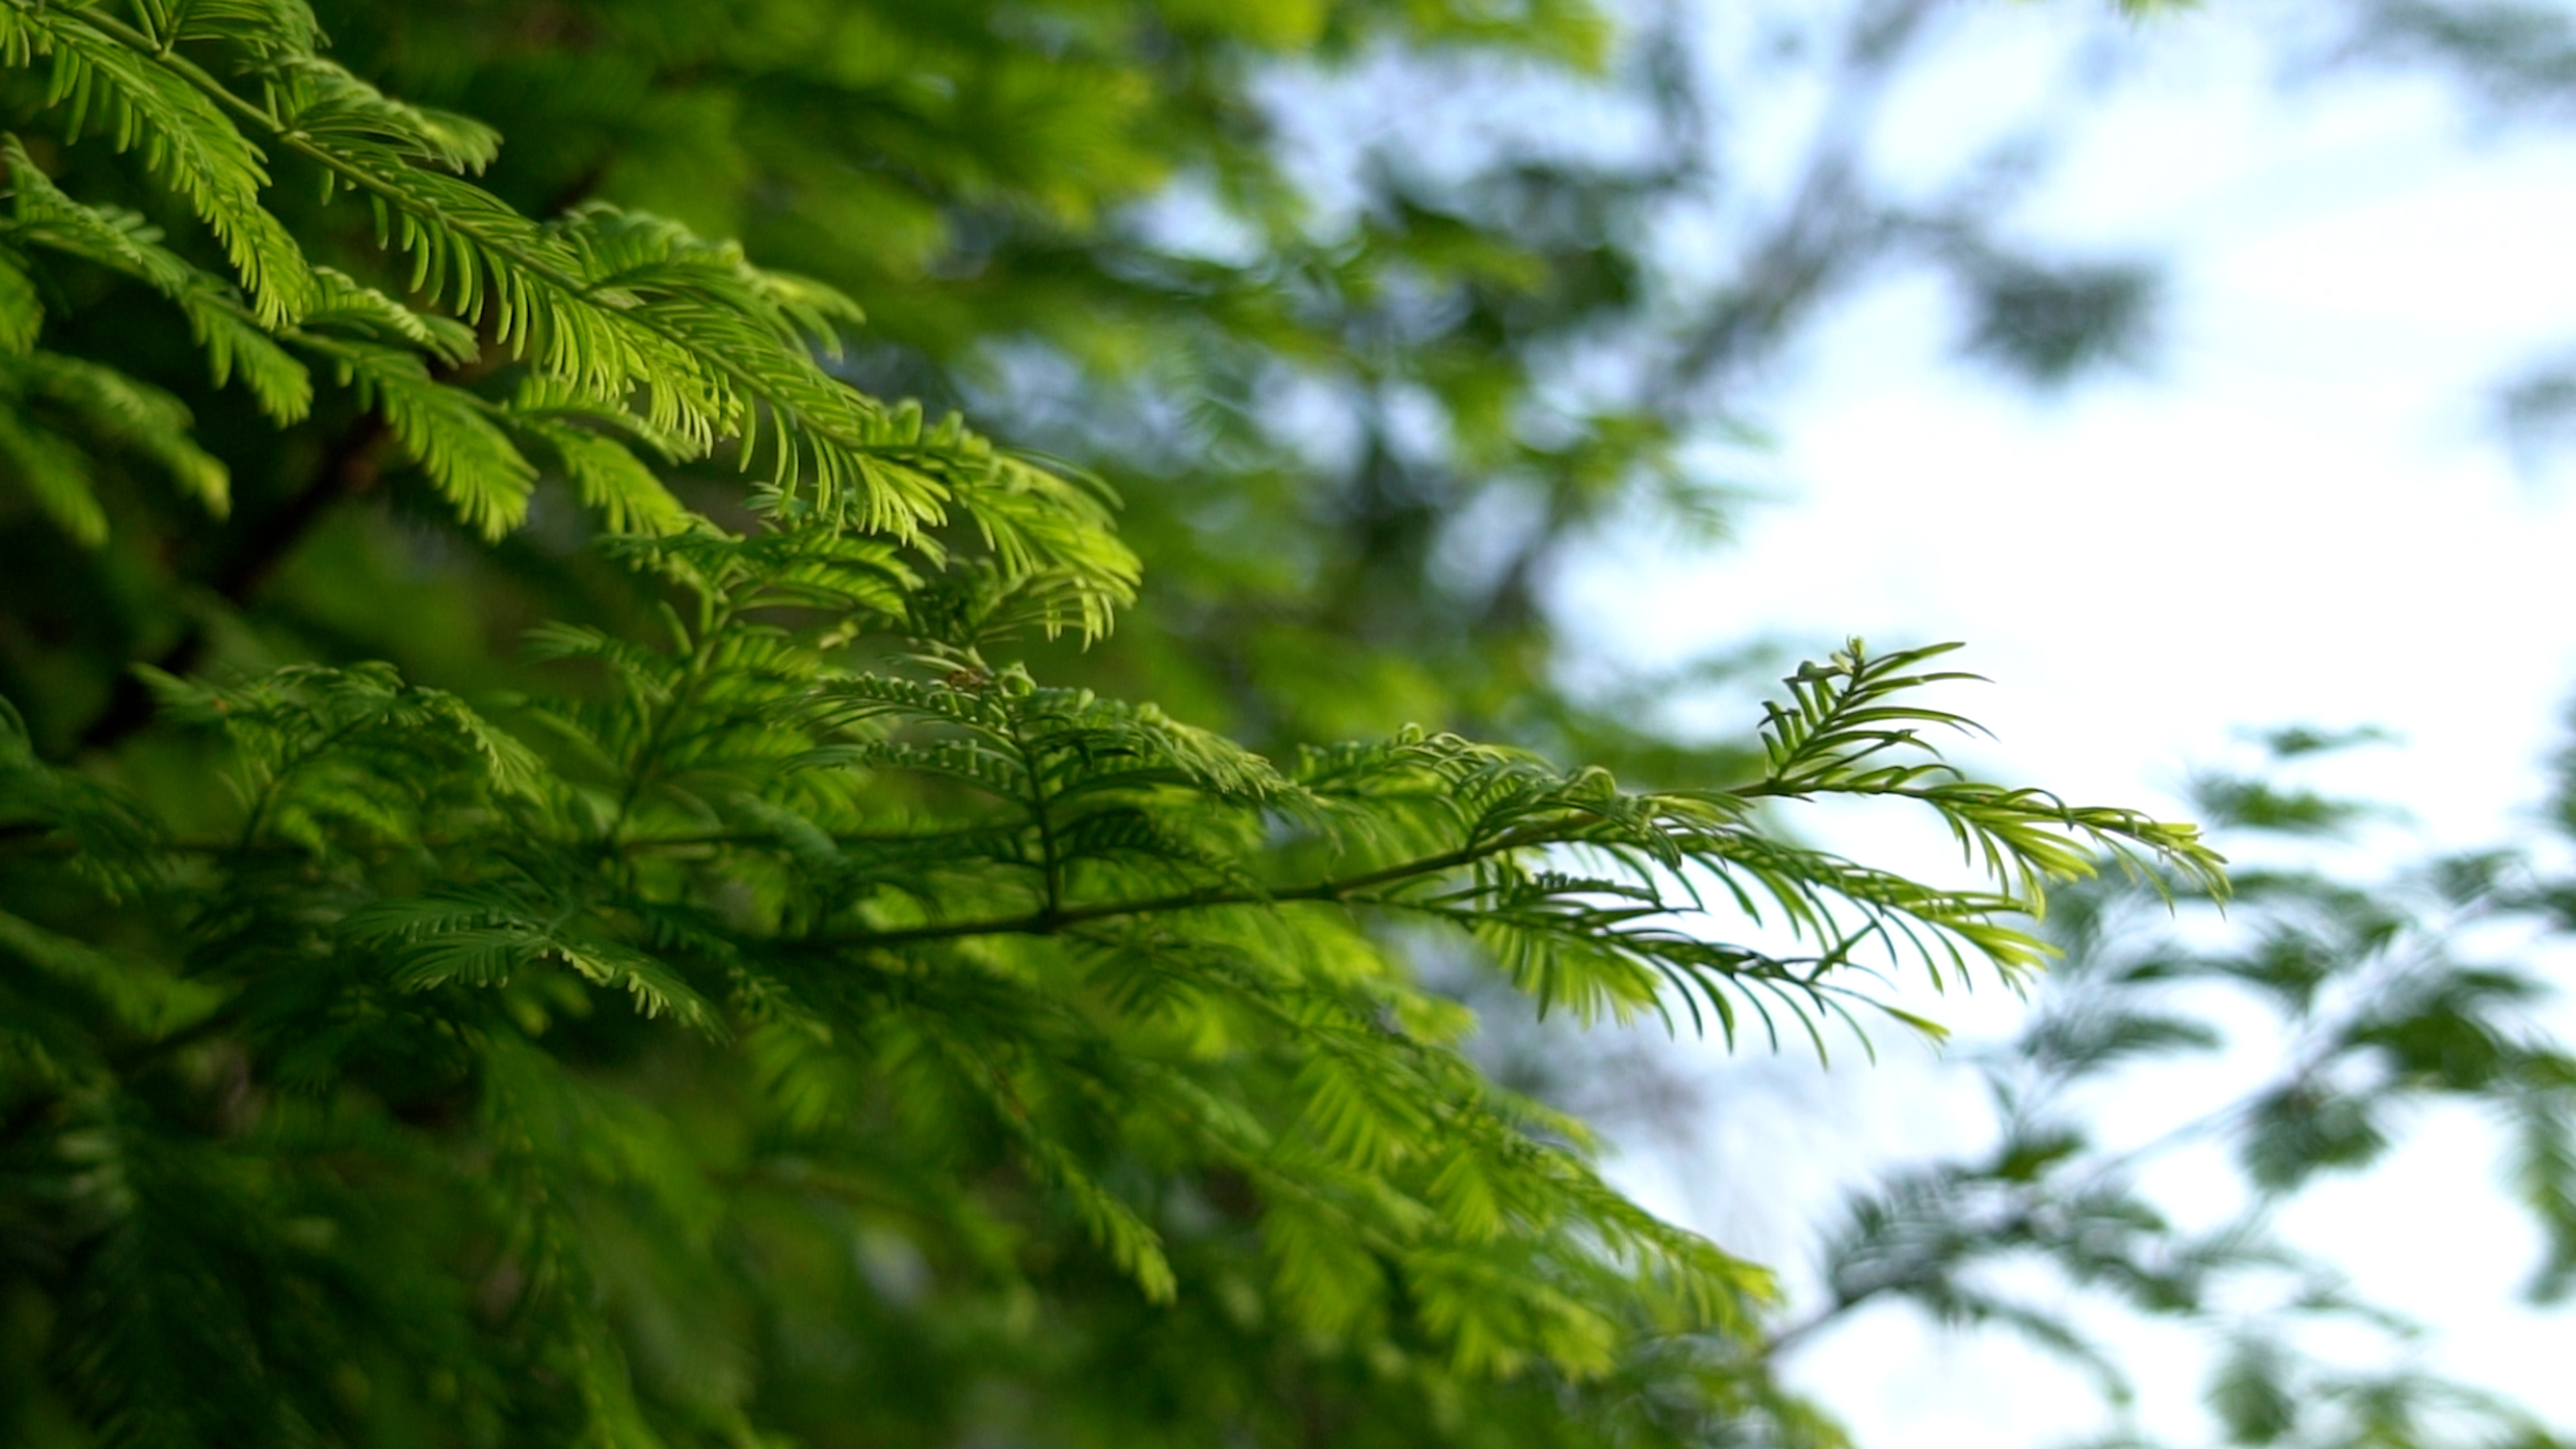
x=1055, y=919
x=472, y=964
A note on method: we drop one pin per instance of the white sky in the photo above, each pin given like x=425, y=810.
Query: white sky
x=2299, y=515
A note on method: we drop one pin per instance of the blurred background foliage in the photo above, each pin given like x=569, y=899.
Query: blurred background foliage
x=1371, y=312
x=1363, y=384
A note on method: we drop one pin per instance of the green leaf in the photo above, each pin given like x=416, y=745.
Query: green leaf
x=22, y=312
x=455, y=437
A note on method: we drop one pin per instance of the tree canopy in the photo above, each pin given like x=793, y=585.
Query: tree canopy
x=744, y=908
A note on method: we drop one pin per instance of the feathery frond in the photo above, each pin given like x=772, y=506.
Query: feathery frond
x=509, y=1063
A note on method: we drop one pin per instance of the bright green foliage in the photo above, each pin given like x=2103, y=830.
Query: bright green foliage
x=1327, y=374
x=918, y=942
x=785, y=1018
x=625, y=323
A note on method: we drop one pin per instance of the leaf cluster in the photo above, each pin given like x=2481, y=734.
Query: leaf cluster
x=788, y=1000
x=1062, y=962
x=635, y=342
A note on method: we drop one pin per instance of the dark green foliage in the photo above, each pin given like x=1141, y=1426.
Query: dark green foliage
x=2516, y=54
x=783, y=1017
x=2051, y=325
x=1005, y=965
x=793, y=996
x=1349, y=399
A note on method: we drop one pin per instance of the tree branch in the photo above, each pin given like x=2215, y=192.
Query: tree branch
x=351, y=467
x=1053, y=919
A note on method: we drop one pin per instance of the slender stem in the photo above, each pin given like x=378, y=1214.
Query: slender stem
x=267, y=795
x=1051, y=859
x=1825, y=1317
x=348, y=468
x=1047, y=922
x=701, y=659
x=762, y=837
